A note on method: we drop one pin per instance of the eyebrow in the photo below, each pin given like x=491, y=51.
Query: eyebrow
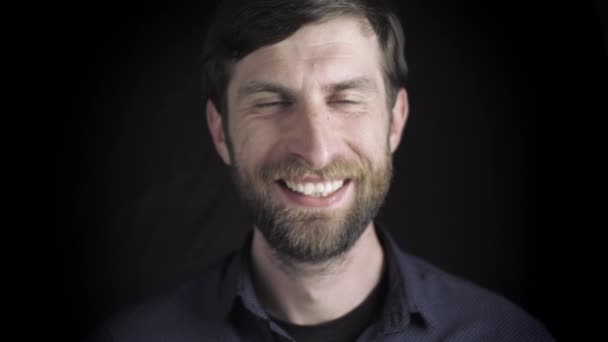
x=264, y=87
x=358, y=83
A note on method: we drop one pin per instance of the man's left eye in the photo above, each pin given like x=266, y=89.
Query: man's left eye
x=345, y=102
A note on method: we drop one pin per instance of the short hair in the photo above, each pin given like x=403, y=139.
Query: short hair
x=241, y=27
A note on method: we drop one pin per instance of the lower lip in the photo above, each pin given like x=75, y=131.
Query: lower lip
x=332, y=200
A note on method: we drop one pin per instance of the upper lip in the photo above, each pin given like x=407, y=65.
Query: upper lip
x=312, y=179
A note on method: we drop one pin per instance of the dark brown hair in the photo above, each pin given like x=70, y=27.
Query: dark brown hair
x=241, y=27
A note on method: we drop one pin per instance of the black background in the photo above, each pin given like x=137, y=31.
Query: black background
x=115, y=193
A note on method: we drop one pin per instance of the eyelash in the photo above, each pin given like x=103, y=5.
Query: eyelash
x=272, y=104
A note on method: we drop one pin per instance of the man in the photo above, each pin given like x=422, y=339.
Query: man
x=306, y=106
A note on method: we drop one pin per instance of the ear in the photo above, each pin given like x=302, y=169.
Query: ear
x=216, y=128
x=400, y=114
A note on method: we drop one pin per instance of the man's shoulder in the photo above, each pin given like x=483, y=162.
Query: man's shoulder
x=462, y=309
x=193, y=311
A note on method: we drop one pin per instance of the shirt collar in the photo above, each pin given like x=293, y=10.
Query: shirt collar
x=237, y=287
x=406, y=301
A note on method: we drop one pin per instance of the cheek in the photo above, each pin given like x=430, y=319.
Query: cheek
x=252, y=141
x=369, y=136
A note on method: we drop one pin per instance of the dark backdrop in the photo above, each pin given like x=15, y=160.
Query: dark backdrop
x=117, y=195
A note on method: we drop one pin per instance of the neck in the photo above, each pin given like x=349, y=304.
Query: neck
x=308, y=294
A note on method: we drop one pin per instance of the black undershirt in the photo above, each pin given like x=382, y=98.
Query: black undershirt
x=346, y=328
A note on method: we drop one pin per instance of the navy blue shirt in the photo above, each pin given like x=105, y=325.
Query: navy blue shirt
x=423, y=303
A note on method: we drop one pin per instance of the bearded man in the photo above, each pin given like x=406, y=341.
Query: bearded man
x=306, y=105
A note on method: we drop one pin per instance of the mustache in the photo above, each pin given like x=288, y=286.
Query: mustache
x=339, y=168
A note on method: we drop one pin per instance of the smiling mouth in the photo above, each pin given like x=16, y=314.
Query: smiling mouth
x=314, y=189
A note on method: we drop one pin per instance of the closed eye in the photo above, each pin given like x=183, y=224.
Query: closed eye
x=348, y=102
x=272, y=104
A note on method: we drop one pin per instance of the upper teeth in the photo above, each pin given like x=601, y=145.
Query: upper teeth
x=315, y=189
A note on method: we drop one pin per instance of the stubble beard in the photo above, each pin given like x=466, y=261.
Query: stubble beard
x=313, y=235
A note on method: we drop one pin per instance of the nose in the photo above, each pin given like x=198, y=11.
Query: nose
x=310, y=136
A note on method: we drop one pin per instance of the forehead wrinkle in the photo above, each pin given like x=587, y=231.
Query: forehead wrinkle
x=291, y=63
x=317, y=51
x=340, y=29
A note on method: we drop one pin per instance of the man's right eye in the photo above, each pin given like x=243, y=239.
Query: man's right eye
x=271, y=104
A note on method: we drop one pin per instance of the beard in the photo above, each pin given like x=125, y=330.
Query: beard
x=312, y=235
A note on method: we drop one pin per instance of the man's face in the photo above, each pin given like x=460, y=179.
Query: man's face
x=309, y=140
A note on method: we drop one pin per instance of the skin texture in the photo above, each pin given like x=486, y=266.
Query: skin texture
x=313, y=108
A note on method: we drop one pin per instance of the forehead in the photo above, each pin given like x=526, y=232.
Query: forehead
x=337, y=49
